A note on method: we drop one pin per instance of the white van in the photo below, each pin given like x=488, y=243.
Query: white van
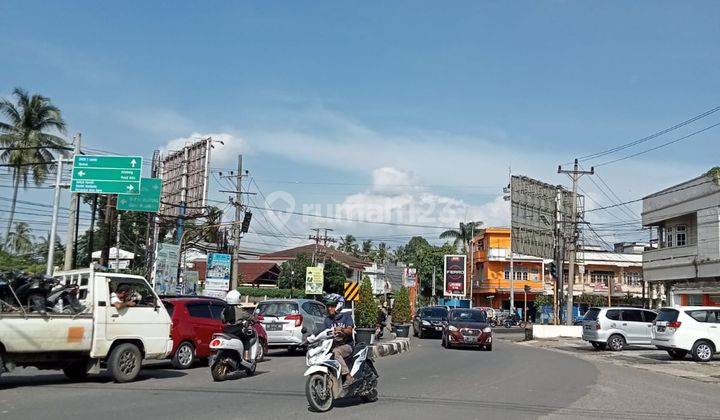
x=688, y=329
x=79, y=343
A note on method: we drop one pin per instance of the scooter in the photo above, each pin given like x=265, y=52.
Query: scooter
x=324, y=383
x=512, y=321
x=234, y=350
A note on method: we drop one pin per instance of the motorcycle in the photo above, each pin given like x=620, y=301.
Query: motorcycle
x=40, y=294
x=235, y=349
x=514, y=321
x=324, y=382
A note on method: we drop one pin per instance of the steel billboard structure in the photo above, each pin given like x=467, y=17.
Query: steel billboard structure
x=540, y=217
x=185, y=180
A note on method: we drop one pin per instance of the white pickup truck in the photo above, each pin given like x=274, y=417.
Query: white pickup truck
x=101, y=334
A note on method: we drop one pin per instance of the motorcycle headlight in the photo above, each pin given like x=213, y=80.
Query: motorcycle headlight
x=487, y=330
x=452, y=328
x=425, y=322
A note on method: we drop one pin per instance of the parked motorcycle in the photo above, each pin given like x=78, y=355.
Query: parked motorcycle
x=324, y=382
x=234, y=350
x=513, y=321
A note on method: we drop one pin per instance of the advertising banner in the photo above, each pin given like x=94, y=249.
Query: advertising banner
x=190, y=282
x=314, y=279
x=217, y=278
x=409, y=277
x=166, y=268
x=455, y=275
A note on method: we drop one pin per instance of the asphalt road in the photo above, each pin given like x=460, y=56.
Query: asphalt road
x=429, y=382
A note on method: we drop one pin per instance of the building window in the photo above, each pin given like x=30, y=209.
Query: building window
x=602, y=277
x=632, y=278
x=680, y=235
x=669, y=237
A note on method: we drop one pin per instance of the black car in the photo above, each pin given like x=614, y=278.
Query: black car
x=430, y=321
x=467, y=328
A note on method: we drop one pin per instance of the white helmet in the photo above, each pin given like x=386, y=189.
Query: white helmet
x=233, y=297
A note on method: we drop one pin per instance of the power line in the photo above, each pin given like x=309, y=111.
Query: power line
x=653, y=195
x=659, y=146
x=650, y=137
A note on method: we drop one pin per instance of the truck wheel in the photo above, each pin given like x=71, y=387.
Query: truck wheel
x=125, y=362
x=184, y=356
x=76, y=371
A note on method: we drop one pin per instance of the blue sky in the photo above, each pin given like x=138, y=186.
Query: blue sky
x=382, y=95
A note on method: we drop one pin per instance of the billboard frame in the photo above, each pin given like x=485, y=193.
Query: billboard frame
x=445, y=276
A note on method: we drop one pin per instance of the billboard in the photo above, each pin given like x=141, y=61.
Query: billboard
x=409, y=277
x=454, y=274
x=184, y=174
x=190, y=282
x=217, y=277
x=314, y=279
x=165, y=273
x=533, y=206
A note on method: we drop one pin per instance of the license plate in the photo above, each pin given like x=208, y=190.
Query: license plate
x=661, y=329
x=470, y=339
x=438, y=328
x=587, y=327
x=273, y=327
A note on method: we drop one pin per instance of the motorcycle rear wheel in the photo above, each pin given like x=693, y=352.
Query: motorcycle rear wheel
x=219, y=371
x=372, y=396
x=317, y=402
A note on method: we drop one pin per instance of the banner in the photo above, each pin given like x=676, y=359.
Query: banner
x=190, y=282
x=217, y=278
x=314, y=280
x=409, y=277
x=455, y=275
x=166, y=268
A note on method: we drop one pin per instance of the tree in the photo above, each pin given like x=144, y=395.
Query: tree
x=20, y=240
x=401, y=308
x=44, y=245
x=382, y=253
x=366, y=310
x=292, y=273
x=367, y=248
x=30, y=145
x=335, y=276
x=463, y=235
x=348, y=244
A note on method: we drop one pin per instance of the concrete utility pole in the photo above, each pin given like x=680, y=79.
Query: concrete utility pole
x=317, y=238
x=53, y=223
x=105, y=253
x=117, y=242
x=575, y=174
x=237, y=230
x=71, y=235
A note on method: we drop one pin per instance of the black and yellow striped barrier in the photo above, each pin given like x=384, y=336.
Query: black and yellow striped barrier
x=352, y=291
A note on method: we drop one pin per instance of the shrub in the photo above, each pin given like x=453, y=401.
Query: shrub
x=272, y=293
x=366, y=310
x=401, y=309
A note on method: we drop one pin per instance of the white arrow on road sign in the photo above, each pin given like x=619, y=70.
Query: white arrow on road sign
x=133, y=163
x=130, y=188
x=81, y=173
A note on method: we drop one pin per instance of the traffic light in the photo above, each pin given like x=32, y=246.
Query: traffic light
x=246, y=222
x=553, y=269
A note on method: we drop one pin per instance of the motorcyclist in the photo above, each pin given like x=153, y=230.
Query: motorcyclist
x=234, y=314
x=342, y=325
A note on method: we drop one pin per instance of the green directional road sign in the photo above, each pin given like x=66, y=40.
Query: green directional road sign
x=148, y=200
x=106, y=174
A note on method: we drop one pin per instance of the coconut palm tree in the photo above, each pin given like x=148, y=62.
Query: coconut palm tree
x=348, y=244
x=29, y=146
x=20, y=240
x=381, y=255
x=463, y=235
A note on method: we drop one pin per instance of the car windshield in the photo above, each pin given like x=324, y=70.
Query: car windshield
x=436, y=313
x=667, y=315
x=277, y=308
x=591, y=314
x=468, y=316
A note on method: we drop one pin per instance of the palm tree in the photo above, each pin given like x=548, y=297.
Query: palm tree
x=381, y=255
x=348, y=244
x=20, y=240
x=28, y=147
x=463, y=235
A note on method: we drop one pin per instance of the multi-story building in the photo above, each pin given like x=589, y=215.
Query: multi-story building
x=599, y=272
x=685, y=267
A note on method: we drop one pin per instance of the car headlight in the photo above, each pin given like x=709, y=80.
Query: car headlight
x=425, y=322
x=452, y=328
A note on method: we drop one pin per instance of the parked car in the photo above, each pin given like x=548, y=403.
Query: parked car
x=429, y=320
x=288, y=322
x=194, y=321
x=617, y=327
x=467, y=327
x=688, y=329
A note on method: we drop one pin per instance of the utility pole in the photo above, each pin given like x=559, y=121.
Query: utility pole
x=117, y=242
x=105, y=253
x=559, y=256
x=237, y=231
x=575, y=174
x=71, y=235
x=317, y=238
x=91, y=235
x=508, y=197
x=433, y=288
x=53, y=224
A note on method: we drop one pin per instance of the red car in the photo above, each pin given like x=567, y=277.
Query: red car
x=194, y=321
x=467, y=327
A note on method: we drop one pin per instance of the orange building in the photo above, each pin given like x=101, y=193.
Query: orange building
x=491, y=272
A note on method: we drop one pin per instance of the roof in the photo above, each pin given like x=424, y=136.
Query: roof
x=252, y=271
x=340, y=257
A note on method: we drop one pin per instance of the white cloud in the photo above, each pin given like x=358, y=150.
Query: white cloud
x=226, y=147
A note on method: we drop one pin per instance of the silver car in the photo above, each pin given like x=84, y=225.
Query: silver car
x=288, y=322
x=617, y=327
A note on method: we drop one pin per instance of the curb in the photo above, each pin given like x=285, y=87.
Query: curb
x=396, y=346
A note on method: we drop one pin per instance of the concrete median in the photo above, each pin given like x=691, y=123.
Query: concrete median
x=390, y=347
